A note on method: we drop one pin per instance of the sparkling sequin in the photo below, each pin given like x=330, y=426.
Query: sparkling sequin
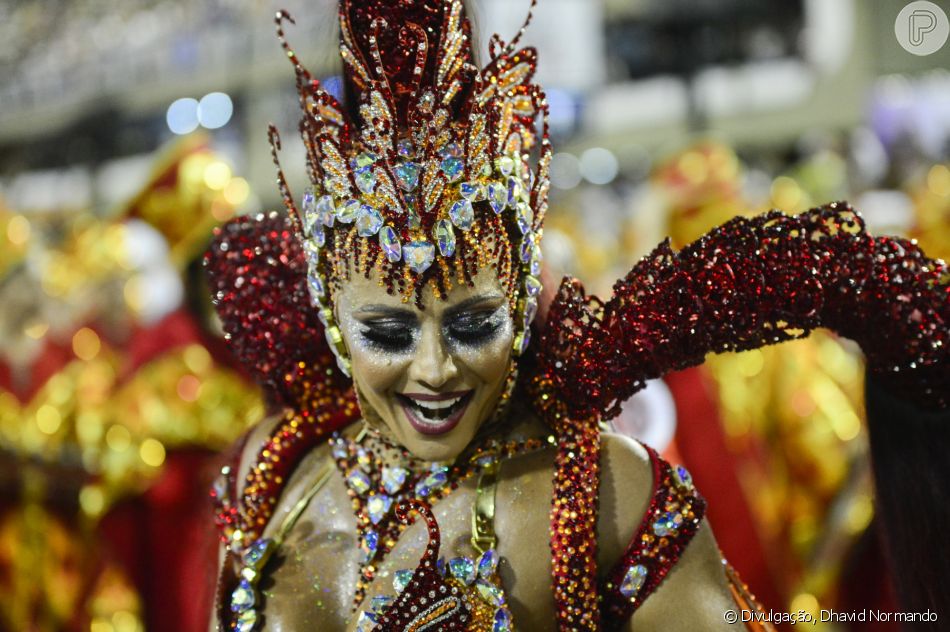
x=401, y=579
x=378, y=506
x=348, y=211
x=490, y=593
x=633, y=581
x=369, y=545
x=445, y=237
x=433, y=481
x=497, y=197
x=419, y=255
x=462, y=214
x=463, y=569
x=488, y=564
x=243, y=597
x=358, y=481
x=394, y=478
x=452, y=168
x=368, y=221
x=407, y=175
x=502, y=621
x=389, y=242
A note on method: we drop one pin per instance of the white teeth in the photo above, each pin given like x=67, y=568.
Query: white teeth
x=437, y=406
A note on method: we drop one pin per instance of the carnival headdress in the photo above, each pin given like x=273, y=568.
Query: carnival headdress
x=441, y=169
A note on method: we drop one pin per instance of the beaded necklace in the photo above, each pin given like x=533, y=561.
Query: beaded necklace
x=377, y=489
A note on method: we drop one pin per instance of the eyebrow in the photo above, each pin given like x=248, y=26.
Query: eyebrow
x=389, y=310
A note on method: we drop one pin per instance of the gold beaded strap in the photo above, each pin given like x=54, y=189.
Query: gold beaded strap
x=483, y=511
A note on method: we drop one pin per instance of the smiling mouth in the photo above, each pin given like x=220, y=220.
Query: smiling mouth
x=435, y=415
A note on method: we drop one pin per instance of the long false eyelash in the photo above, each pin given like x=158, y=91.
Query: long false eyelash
x=474, y=329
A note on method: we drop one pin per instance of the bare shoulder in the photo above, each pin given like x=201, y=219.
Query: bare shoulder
x=626, y=483
x=695, y=594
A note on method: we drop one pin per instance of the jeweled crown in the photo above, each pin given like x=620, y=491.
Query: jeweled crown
x=438, y=169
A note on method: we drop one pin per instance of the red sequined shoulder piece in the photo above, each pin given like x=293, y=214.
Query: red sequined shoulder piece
x=675, y=512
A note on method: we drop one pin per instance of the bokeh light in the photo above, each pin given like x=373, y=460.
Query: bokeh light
x=214, y=110
x=182, y=116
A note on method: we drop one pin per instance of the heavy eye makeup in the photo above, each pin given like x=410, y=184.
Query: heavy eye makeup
x=398, y=333
x=389, y=334
x=476, y=327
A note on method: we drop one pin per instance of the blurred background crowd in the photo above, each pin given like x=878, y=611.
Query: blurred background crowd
x=129, y=130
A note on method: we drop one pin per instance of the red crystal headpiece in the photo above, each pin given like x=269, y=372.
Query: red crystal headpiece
x=428, y=177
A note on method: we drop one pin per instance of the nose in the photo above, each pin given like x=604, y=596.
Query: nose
x=432, y=366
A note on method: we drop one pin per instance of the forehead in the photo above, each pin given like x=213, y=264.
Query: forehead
x=358, y=291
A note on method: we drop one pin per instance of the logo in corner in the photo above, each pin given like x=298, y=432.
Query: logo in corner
x=922, y=28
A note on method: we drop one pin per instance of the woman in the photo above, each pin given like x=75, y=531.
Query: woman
x=433, y=468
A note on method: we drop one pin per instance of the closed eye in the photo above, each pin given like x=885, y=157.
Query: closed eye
x=392, y=335
x=475, y=328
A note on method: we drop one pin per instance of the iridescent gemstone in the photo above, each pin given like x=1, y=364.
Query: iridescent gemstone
x=432, y=482
x=339, y=447
x=682, y=477
x=462, y=214
x=502, y=622
x=394, y=478
x=364, y=460
x=668, y=523
x=365, y=179
x=255, y=553
x=369, y=221
x=522, y=340
x=358, y=481
x=246, y=621
x=389, y=242
x=378, y=506
x=515, y=189
x=452, y=167
x=325, y=211
x=311, y=251
x=535, y=266
x=401, y=579
x=532, y=285
x=366, y=621
x=530, y=310
x=497, y=197
x=490, y=593
x=347, y=212
x=414, y=221
x=404, y=148
x=526, y=245
x=463, y=569
x=419, y=255
x=487, y=564
x=368, y=545
x=319, y=237
x=524, y=216
x=505, y=165
x=440, y=566
x=365, y=159
x=407, y=175
x=379, y=603
x=315, y=284
x=243, y=597
x=633, y=581
x=472, y=191
x=309, y=208
x=445, y=237
x=451, y=150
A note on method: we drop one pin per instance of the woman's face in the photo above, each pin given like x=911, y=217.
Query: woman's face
x=432, y=375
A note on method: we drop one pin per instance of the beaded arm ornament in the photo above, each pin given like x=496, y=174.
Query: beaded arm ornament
x=432, y=180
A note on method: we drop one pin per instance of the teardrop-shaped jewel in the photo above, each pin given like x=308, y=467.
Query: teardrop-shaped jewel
x=358, y=481
x=515, y=190
x=682, y=477
x=522, y=340
x=315, y=284
x=497, y=197
x=524, y=216
x=310, y=216
x=490, y=593
x=368, y=545
x=440, y=566
x=369, y=221
x=668, y=523
x=394, y=478
x=452, y=167
x=419, y=255
x=407, y=175
x=488, y=564
x=526, y=244
x=347, y=212
x=325, y=211
x=462, y=214
x=505, y=165
x=366, y=622
x=445, y=237
x=340, y=451
x=256, y=552
x=535, y=266
x=243, y=597
x=472, y=191
x=463, y=569
x=379, y=603
x=401, y=579
x=451, y=150
x=378, y=506
x=502, y=621
x=246, y=621
x=633, y=581
x=311, y=252
x=404, y=148
x=389, y=242
x=532, y=285
x=432, y=482
x=319, y=237
x=365, y=179
x=530, y=310
x=365, y=159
